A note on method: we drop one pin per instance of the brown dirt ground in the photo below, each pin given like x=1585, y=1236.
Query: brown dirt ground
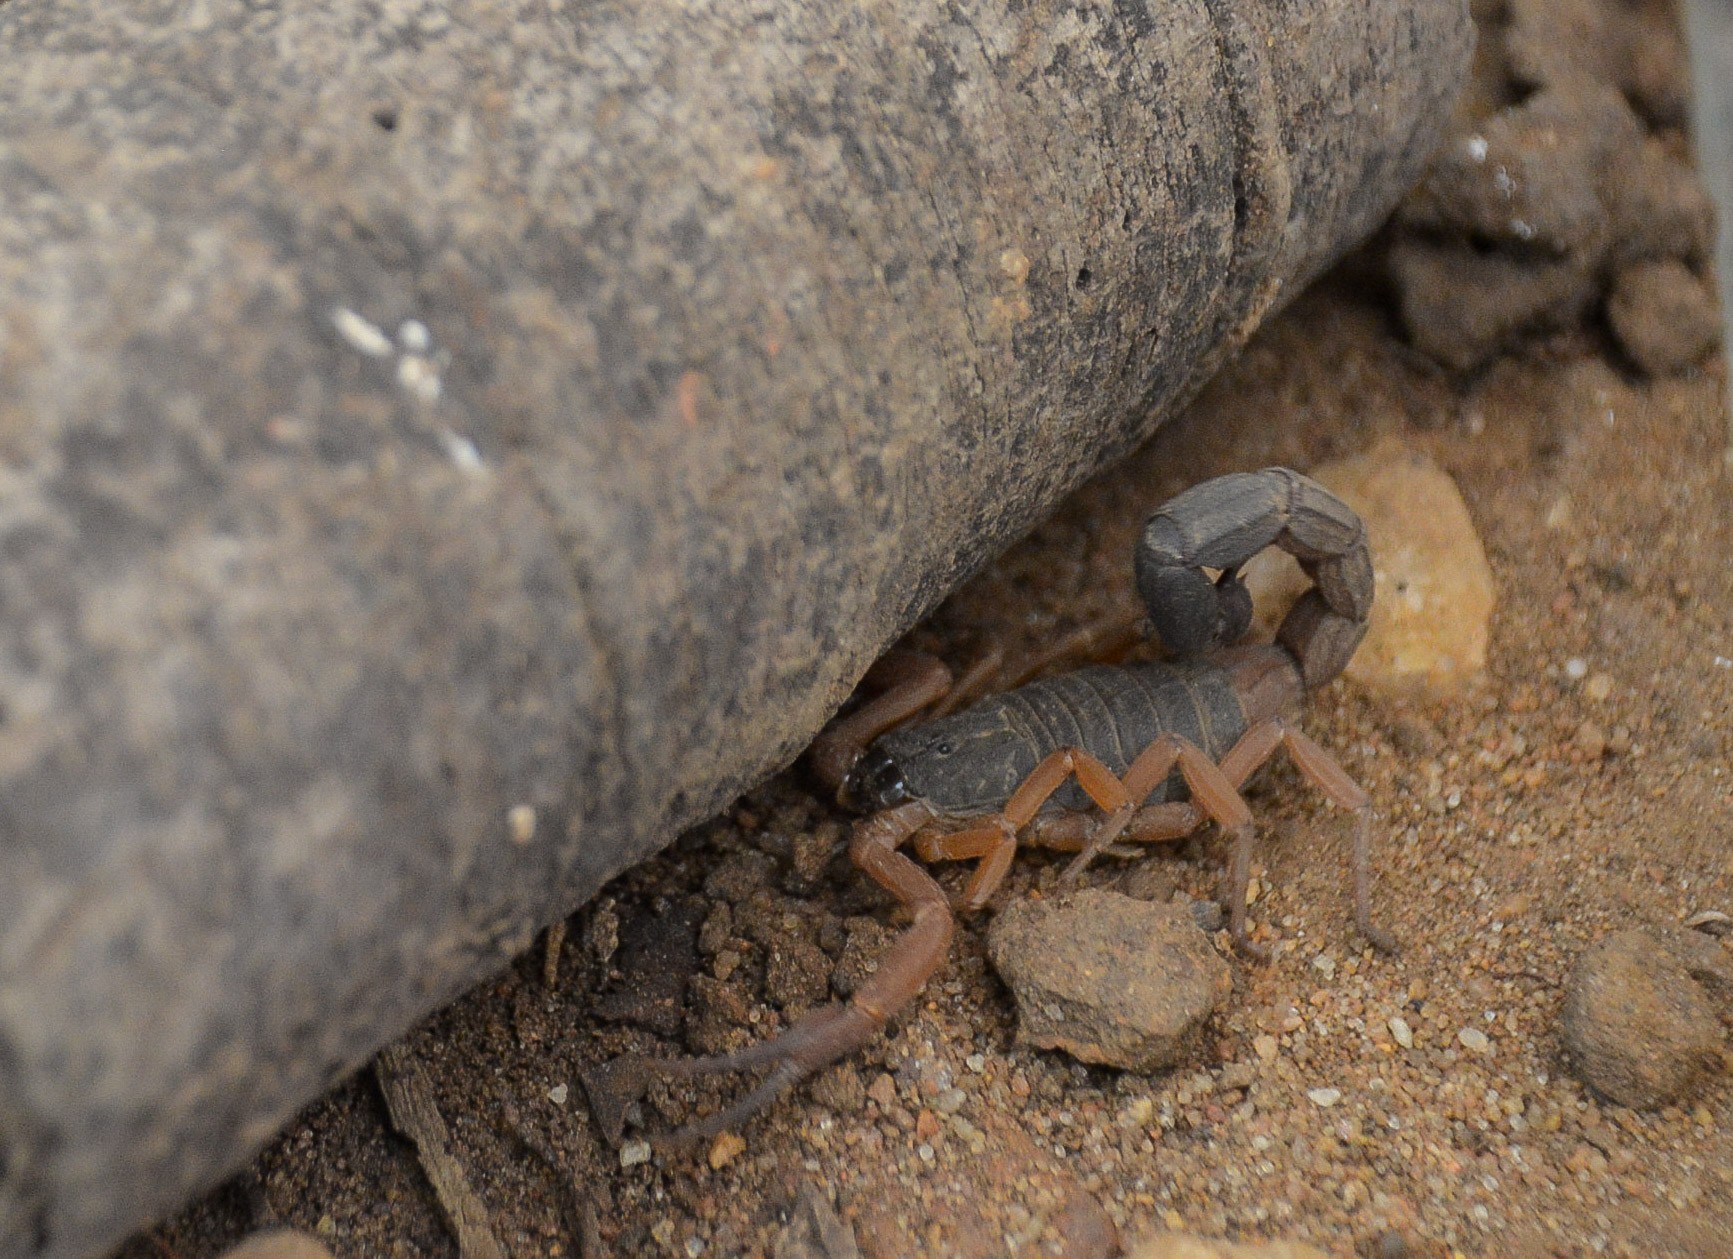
x=1522, y=821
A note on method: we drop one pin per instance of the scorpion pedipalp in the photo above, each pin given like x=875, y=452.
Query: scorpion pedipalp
x=1220, y=525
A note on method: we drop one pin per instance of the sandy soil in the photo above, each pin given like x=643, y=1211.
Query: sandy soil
x=1581, y=787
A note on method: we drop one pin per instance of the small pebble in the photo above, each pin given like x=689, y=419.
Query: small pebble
x=1324, y=1097
x=1474, y=1040
x=1638, y=1027
x=634, y=1152
x=724, y=1150
x=1402, y=1032
x=1137, y=1114
x=950, y=1101
x=557, y=1094
x=419, y=377
x=1265, y=1047
x=1325, y=965
x=1663, y=315
x=883, y=1090
x=1591, y=741
x=1598, y=687
x=1236, y=1075
x=1078, y=965
x=1576, y=668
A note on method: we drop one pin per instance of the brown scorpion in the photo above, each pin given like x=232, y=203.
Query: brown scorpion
x=1158, y=749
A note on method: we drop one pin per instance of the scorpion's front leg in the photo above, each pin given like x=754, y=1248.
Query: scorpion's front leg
x=821, y=1037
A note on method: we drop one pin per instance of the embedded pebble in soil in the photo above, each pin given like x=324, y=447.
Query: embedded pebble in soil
x=1186, y=1246
x=1108, y=979
x=1664, y=316
x=815, y=1231
x=1434, y=595
x=1638, y=1028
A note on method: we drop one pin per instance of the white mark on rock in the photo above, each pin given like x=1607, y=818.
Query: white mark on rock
x=521, y=821
x=419, y=376
x=461, y=451
x=413, y=336
x=361, y=334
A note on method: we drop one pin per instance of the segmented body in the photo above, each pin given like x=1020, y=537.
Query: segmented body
x=972, y=762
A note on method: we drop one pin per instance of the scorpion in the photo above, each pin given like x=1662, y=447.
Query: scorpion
x=1080, y=761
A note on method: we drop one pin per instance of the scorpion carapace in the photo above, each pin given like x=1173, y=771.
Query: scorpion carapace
x=1080, y=761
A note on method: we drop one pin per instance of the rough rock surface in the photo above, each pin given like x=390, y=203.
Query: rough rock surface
x=448, y=449
x=1639, y=1029
x=1107, y=978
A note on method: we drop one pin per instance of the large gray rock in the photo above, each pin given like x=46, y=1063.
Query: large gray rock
x=444, y=452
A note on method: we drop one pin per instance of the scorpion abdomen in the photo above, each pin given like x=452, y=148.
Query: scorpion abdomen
x=972, y=761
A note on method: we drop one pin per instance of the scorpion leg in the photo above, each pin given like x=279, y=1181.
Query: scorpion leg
x=826, y=1034
x=906, y=681
x=1325, y=773
x=1105, y=640
x=1214, y=796
x=995, y=840
x=1149, y=824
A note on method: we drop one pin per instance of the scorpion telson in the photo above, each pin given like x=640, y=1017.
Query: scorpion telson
x=1081, y=761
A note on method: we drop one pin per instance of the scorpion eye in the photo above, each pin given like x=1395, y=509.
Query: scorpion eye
x=943, y=747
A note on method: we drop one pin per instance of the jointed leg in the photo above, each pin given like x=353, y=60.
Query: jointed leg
x=824, y=1035
x=1322, y=770
x=1104, y=640
x=995, y=839
x=1214, y=797
x=1150, y=824
x=905, y=682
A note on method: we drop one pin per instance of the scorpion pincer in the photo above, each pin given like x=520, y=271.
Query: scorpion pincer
x=1080, y=761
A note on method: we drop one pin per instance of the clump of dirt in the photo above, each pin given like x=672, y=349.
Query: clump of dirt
x=1416, y=1105
x=1566, y=179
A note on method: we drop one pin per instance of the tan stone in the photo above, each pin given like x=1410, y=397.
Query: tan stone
x=1188, y=1246
x=1435, y=595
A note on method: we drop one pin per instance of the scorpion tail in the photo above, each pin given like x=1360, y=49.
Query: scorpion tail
x=1221, y=524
